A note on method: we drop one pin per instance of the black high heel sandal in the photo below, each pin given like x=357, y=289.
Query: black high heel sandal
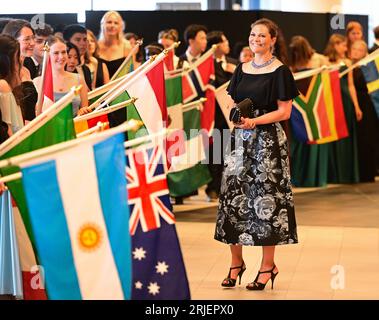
x=255, y=285
x=230, y=282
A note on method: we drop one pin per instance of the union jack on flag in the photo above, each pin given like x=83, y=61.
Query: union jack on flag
x=158, y=267
x=148, y=193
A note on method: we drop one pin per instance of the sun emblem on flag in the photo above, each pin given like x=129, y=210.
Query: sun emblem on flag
x=90, y=237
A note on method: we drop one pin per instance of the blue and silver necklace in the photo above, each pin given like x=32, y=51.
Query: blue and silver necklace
x=259, y=66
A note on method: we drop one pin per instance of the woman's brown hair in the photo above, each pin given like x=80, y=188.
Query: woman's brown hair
x=300, y=52
x=270, y=25
x=330, y=50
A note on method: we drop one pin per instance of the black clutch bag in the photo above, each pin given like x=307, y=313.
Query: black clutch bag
x=243, y=109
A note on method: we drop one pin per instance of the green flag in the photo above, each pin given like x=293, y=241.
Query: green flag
x=47, y=132
x=186, y=172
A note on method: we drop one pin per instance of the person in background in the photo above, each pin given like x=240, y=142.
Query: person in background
x=246, y=55
x=77, y=35
x=25, y=92
x=63, y=80
x=41, y=35
x=153, y=49
x=97, y=67
x=368, y=127
x=167, y=38
x=3, y=22
x=343, y=165
x=138, y=56
x=113, y=49
x=11, y=113
x=376, y=41
x=195, y=37
x=224, y=68
x=354, y=32
x=73, y=58
x=303, y=56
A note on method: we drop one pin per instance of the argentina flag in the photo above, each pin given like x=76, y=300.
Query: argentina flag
x=80, y=219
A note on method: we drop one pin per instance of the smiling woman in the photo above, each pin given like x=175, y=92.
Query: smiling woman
x=256, y=205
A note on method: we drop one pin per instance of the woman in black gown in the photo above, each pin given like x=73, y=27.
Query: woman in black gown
x=256, y=205
x=368, y=127
x=113, y=49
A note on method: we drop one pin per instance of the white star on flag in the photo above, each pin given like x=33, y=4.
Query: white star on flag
x=161, y=267
x=153, y=288
x=138, y=285
x=139, y=253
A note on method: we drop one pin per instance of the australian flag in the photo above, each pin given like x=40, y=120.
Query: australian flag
x=158, y=266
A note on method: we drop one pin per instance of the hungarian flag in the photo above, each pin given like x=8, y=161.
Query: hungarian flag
x=185, y=145
x=48, y=88
x=149, y=88
x=318, y=115
x=45, y=130
x=371, y=74
x=158, y=267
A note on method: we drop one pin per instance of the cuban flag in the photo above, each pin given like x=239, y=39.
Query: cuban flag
x=80, y=219
x=158, y=268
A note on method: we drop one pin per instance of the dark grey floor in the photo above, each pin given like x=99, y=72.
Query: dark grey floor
x=345, y=206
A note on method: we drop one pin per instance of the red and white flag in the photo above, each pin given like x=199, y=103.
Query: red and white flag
x=48, y=88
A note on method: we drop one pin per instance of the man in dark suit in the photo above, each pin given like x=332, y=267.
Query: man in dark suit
x=34, y=63
x=224, y=68
x=195, y=37
x=376, y=43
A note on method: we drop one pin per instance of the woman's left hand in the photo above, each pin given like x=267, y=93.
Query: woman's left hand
x=246, y=123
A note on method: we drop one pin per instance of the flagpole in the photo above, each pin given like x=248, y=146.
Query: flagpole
x=129, y=56
x=120, y=84
x=14, y=161
x=193, y=104
x=46, y=50
x=36, y=122
x=195, y=64
x=100, y=126
x=110, y=85
x=106, y=110
x=154, y=61
x=364, y=61
x=309, y=73
x=149, y=137
x=104, y=88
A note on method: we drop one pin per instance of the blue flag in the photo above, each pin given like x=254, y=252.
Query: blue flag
x=80, y=218
x=158, y=267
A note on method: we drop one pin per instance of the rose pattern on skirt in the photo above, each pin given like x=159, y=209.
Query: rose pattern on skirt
x=256, y=204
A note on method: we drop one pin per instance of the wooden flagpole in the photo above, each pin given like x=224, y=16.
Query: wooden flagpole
x=129, y=56
x=36, y=123
x=46, y=52
x=14, y=161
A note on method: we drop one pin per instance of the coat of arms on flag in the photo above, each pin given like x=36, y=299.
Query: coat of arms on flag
x=158, y=267
x=80, y=219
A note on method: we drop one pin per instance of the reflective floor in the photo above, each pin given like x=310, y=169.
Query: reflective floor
x=337, y=256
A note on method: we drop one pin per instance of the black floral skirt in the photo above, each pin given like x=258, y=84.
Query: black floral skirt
x=256, y=205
